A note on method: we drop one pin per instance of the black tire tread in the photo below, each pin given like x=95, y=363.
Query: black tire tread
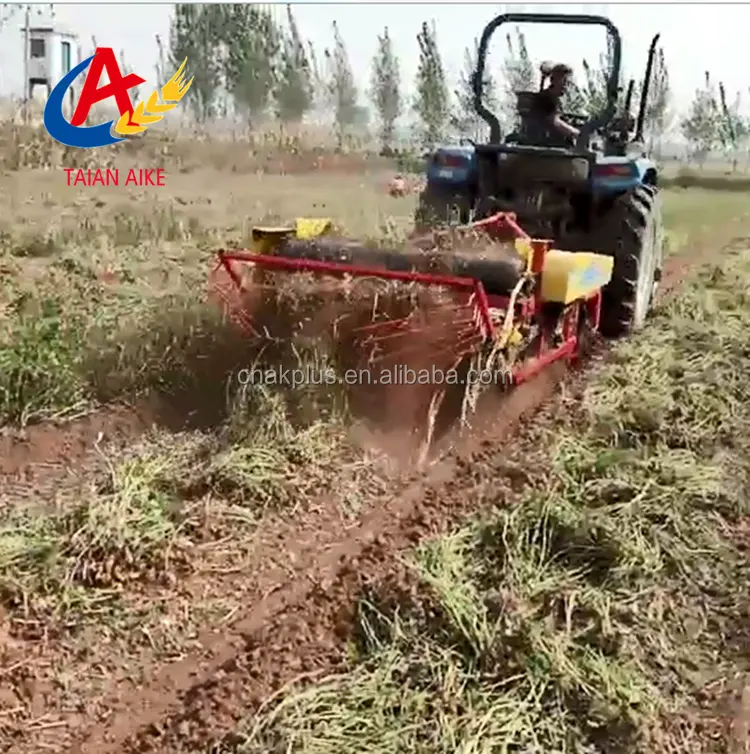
x=622, y=236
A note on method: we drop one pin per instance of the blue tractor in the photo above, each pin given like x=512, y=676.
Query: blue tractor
x=598, y=193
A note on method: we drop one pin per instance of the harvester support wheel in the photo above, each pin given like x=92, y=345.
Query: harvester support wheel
x=633, y=234
x=440, y=208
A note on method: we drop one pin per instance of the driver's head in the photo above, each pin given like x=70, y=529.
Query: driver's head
x=559, y=77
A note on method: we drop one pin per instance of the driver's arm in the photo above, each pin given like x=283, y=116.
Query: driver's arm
x=549, y=107
x=564, y=128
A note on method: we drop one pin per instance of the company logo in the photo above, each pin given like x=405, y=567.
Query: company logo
x=133, y=120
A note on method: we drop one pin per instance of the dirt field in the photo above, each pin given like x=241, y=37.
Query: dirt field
x=187, y=567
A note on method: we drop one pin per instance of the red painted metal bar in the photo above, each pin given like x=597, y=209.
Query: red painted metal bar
x=502, y=220
x=228, y=267
x=538, y=253
x=533, y=366
x=335, y=268
x=593, y=306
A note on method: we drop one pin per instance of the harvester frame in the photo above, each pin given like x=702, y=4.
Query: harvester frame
x=571, y=294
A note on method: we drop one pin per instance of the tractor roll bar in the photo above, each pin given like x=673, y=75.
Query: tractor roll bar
x=613, y=82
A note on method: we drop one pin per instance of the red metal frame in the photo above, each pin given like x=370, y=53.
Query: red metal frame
x=475, y=287
x=496, y=227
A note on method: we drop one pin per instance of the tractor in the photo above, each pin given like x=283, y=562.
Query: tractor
x=551, y=243
x=599, y=193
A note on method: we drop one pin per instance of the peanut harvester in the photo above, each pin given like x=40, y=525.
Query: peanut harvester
x=523, y=246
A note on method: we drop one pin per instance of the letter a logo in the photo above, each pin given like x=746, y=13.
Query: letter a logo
x=91, y=93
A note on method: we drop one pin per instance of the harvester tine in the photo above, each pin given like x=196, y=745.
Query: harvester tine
x=468, y=311
x=432, y=413
x=391, y=337
x=463, y=345
x=392, y=324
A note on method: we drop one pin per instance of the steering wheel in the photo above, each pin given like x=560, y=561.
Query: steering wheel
x=575, y=119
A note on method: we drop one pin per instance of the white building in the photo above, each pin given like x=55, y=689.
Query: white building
x=52, y=52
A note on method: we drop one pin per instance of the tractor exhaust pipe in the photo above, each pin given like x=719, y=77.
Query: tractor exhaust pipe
x=625, y=131
x=629, y=97
x=641, y=121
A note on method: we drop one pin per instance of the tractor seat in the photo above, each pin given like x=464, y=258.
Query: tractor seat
x=534, y=130
x=525, y=103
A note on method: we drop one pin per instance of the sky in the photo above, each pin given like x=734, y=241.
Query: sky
x=695, y=37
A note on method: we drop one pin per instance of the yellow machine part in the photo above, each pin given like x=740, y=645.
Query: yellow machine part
x=515, y=338
x=571, y=275
x=523, y=249
x=267, y=239
x=312, y=227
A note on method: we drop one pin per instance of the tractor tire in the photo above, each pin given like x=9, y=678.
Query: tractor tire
x=633, y=234
x=438, y=209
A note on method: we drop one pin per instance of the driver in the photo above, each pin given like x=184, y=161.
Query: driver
x=547, y=101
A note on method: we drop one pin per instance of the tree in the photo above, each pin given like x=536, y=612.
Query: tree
x=574, y=100
x=733, y=126
x=385, y=89
x=161, y=64
x=194, y=33
x=596, y=80
x=135, y=93
x=432, y=103
x=342, y=90
x=701, y=126
x=465, y=118
x=519, y=75
x=594, y=89
x=252, y=45
x=318, y=92
x=591, y=98
x=657, y=117
x=294, y=89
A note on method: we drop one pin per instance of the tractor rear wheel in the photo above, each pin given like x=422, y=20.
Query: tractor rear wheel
x=633, y=234
x=438, y=208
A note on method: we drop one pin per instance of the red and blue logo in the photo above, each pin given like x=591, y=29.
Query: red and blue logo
x=133, y=120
